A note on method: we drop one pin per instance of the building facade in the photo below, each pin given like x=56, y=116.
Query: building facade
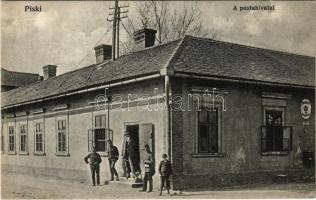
x=224, y=113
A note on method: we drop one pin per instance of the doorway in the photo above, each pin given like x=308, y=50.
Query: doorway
x=133, y=130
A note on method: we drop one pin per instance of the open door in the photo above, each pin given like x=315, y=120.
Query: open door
x=146, y=136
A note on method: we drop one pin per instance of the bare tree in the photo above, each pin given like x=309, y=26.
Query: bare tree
x=169, y=22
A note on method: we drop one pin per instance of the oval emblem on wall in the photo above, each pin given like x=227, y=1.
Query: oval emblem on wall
x=306, y=108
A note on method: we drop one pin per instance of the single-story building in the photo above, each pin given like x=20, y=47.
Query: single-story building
x=224, y=113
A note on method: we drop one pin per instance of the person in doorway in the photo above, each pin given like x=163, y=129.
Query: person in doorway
x=95, y=160
x=165, y=170
x=149, y=172
x=133, y=156
x=125, y=156
x=113, y=155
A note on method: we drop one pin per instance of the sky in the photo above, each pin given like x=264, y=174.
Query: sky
x=64, y=33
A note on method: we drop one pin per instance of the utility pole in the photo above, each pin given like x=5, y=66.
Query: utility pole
x=118, y=10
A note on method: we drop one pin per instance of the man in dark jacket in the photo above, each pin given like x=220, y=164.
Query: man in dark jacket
x=165, y=171
x=95, y=160
x=148, y=163
x=113, y=155
x=133, y=156
x=125, y=156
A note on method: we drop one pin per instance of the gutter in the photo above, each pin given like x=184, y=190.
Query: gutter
x=86, y=90
x=236, y=80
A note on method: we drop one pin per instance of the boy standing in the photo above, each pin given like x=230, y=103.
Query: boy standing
x=148, y=175
x=165, y=171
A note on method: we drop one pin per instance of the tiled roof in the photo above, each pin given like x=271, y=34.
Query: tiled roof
x=222, y=59
x=17, y=79
x=144, y=62
x=188, y=55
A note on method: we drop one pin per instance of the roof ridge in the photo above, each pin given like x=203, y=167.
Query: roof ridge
x=251, y=47
x=151, y=47
x=174, y=53
x=19, y=72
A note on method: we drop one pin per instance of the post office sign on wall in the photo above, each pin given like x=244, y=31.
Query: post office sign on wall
x=306, y=109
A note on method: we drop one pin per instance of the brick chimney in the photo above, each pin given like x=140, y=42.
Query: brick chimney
x=145, y=38
x=49, y=71
x=103, y=52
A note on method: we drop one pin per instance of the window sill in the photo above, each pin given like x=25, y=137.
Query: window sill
x=39, y=154
x=62, y=154
x=23, y=153
x=11, y=153
x=206, y=155
x=275, y=153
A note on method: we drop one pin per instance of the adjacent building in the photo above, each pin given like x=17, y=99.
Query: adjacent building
x=11, y=79
x=224, y=113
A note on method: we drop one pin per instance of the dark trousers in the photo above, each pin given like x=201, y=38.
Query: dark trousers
x=164, y=181
x=95, y=170
x=148, y=178
x=127, y=167
x=112, y=169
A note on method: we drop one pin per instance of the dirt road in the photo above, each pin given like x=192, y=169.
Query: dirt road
x=23, y=186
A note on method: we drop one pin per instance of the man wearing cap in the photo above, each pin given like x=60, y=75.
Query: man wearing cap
x=133, y=156
x=149, y=170
x=113, y=155
x=95, y=160
x=125, y=155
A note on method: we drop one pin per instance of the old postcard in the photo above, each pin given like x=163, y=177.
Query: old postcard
x=157, y=99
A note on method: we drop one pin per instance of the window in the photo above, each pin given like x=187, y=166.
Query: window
x=11, y=139
x=208, y=131
x=99, y=133
x=2, y=141
x=61, y=136
x=98, y=136
x=39, y=138
x=23, y=138
x=274, y=136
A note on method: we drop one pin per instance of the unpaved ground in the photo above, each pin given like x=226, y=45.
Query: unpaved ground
x=24, y=186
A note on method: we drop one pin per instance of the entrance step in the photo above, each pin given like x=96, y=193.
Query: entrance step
x=128, y=182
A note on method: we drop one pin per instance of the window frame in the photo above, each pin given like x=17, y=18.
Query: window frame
x=42, y=132
x=219, y=152
x=108, y=134
x=208, y=124
x=10, y=134
x=2, y=138
x=65, y=131
x=26, y=151
x=283, y=125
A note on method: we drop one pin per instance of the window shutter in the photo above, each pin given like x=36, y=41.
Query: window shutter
x=287, y=138
x=263, y=139
x=90, y=139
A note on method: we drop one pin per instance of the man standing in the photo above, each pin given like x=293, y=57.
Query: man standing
x=165, y=171
x=125, y=156
x=95, y=160
x=133, y=156
x=113, y=155
x=148, y=176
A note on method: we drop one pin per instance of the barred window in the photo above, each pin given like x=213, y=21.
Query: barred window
x=23, y=138
x=99, y=133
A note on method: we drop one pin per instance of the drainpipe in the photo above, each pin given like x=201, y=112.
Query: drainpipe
x=166, y=72
x=168, y=128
